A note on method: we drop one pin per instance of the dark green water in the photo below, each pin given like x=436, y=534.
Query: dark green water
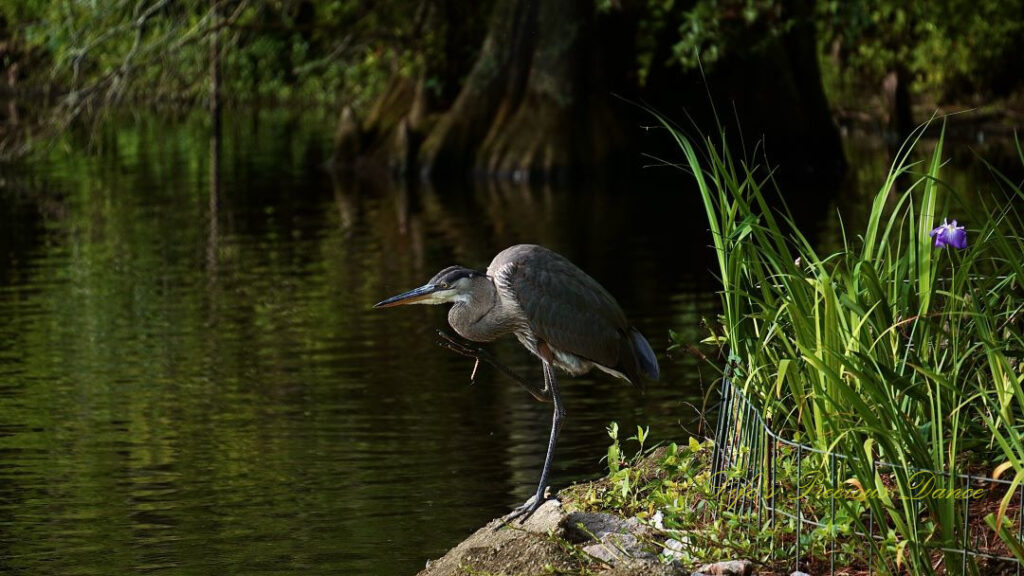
x=196, y=384
x=193, y=381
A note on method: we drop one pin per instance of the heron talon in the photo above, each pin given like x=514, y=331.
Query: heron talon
x=447, y=341
x=522, y=513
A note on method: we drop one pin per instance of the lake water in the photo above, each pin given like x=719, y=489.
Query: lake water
x=192, y=381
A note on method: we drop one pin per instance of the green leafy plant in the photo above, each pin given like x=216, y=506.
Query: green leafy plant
x=902, y=347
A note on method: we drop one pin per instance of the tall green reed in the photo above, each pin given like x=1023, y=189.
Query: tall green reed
x=889, y=350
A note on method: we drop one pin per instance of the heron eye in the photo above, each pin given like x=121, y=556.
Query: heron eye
x=444, y=285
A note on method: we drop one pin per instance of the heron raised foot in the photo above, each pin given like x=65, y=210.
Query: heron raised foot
x=555, y=310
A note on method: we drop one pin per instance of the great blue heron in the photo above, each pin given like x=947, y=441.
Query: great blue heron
x=558, y=312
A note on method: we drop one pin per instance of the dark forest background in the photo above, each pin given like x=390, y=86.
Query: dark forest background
x=518, y=88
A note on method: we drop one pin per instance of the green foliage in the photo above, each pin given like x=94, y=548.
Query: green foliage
x=671, y=488
x=712, y=29
x=625, y=476
x=886, y=350
x=314, y=52
x=949, y=48
x=89, y=56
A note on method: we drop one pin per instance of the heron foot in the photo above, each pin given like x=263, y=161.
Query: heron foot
x=522, y=513
x=477, y=353
x=448, y=341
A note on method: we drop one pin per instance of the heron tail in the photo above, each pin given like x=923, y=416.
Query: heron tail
x=646, y=362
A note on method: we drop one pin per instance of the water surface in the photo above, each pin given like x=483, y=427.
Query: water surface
x=194, y=382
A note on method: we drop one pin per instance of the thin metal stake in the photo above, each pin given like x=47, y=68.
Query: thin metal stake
x=723, y=417
x=832, y=506
x=759, y=478
x=775, y=457
x=746, y=456
x=871, y=521
x=799, y=519
x=967, y=517
x=1020, y=522
x=736, y=433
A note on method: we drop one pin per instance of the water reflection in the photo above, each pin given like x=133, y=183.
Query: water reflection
x=192, y=379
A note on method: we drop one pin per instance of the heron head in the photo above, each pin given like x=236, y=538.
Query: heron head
x=452, y=284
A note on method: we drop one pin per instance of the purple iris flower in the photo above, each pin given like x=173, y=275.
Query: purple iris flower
x=949, y=235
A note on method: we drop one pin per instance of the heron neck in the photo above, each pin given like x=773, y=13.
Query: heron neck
x=478, y=317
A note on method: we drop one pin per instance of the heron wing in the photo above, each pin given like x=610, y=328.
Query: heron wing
x=563, y=306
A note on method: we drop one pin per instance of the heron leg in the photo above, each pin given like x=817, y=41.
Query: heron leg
x=530, y=506
x=480, y=355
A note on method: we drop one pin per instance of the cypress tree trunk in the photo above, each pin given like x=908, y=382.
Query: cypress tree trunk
x=494, y=85
x=537, y=101
x=562, y=122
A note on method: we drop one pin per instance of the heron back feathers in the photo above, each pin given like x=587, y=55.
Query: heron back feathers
x=571, y=312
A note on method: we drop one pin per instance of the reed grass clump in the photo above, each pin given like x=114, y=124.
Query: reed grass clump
x=902, y=347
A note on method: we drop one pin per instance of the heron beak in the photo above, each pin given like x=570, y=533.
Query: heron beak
x=410, y=297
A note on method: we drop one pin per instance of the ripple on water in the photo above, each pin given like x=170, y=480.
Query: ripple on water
x=183, y=392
